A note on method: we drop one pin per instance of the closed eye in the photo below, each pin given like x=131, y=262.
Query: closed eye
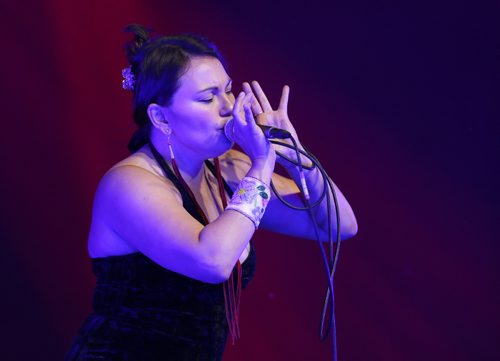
x=209, y=100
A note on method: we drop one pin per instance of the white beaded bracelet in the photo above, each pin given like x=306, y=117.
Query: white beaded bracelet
x=250, y=199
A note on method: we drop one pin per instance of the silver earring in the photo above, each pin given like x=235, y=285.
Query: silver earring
x=169, y=133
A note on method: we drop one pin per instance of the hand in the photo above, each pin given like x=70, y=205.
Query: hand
x=246, y=133
x=265, y=115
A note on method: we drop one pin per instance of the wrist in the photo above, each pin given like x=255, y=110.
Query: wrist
x=291, y=154
x=263, y=173
x=285, y=163
x=262, y=168
x=250, y=199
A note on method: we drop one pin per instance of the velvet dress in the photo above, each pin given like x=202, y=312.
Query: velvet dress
x=145, y=312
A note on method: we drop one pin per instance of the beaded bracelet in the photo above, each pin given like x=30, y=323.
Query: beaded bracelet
x=250, y=199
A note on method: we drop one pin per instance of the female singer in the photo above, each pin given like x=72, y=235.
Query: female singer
x=172, y=223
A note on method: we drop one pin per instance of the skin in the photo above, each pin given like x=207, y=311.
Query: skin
x=137, y=209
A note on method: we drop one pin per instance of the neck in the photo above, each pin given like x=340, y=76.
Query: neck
x=190, y=167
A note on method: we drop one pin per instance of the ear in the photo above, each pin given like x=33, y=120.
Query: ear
x=157, y=117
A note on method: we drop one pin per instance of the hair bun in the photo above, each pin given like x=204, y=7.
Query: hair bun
x=141, y=36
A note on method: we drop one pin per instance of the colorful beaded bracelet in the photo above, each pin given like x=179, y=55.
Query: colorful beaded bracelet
x=250, y=199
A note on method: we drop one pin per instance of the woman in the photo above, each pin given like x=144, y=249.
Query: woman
x=167, y=251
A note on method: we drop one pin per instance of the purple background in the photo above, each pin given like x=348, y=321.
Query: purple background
x=398, y=102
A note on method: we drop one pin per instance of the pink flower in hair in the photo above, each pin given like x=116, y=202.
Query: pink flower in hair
x=128, y=78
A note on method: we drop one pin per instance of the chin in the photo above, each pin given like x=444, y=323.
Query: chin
x=221, y=147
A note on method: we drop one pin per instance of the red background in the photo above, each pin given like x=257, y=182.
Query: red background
x=399, y=103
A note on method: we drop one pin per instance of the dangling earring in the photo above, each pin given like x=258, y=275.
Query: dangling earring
x=169, y=133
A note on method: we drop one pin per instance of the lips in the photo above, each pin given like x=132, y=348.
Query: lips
x=228, y=130
x=225, y=122
x=225, y=125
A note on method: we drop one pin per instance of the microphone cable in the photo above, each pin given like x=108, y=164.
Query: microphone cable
x=330, y=262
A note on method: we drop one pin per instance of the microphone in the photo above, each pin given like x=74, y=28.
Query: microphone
x=269, y=132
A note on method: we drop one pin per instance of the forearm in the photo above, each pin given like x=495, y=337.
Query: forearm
x=262, y=170
x=225, y=238
x=315, y=185
x=222, y=242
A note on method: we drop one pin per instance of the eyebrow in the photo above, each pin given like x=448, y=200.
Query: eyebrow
x=230, y=81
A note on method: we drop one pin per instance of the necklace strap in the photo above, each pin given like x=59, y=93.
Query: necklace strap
x=188, y=199
x=232, y=287
x=215, y=170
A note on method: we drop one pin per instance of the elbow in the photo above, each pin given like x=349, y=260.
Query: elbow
x=217, y=270
x=223, y=266
x=349, y=232
x=214, y=275
x=214, y=279
x=217, y=276
x=224, y=275
x=218, y=260
x=349, y=229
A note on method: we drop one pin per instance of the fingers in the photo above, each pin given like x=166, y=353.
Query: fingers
x=242, y=106
x=261, y=97
x=249, y=114
x=256, y=108
x=284, y=98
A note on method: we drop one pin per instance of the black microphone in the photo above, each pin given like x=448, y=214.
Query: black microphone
x=269, y=132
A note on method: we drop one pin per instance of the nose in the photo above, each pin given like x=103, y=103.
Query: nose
x=227, y=104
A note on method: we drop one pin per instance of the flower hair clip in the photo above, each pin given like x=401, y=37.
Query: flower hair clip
x=128, y=78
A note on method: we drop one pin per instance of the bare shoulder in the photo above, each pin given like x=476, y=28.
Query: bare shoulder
x=140, y=159
x=125, y=178
x=135, y=173
x=132, y=189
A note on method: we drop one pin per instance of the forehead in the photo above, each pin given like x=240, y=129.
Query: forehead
x=202, y=73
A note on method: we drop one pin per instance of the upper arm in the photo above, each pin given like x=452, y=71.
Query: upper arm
x=146, y=211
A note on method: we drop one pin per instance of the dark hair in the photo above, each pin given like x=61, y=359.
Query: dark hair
x=157, y=64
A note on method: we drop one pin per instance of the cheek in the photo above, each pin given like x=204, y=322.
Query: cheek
x=198, y=127
x=193, y=117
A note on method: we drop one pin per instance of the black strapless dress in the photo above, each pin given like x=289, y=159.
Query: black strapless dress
x=144, y=312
